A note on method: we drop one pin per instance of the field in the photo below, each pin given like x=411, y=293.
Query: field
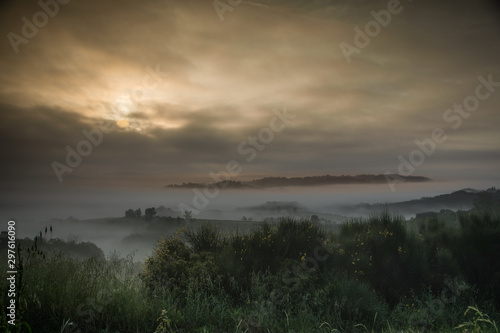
x=382, y=274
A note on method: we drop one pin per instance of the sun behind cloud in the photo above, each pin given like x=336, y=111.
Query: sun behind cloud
x=122, y=123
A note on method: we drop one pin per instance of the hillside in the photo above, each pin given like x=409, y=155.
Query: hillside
x=458, y=200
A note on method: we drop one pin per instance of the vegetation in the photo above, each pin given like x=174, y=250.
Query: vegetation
x=56, y=246
x=149, y=213
x=383, y=274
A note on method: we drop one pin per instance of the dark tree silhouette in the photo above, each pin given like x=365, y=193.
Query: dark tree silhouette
x=488, y=202
x=150, y=213
x=188, y=216
x=130, y=213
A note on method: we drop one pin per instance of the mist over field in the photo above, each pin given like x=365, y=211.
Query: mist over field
x=68, y=212
x=83, y=203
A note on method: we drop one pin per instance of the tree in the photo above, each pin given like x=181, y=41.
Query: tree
x=188, y=216
x=138, y=212
x=314, y=219
x=150, y=213
x=130, y=213
x=487, y=202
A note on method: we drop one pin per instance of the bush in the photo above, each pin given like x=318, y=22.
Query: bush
x=476, y=249
x=382, y=252
x=168, y=264
x=205, y=238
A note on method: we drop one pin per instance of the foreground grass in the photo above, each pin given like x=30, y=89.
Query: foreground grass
x=372, y=276
x=90, y=295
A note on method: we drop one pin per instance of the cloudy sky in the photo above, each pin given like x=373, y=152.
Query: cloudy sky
x=187, y=84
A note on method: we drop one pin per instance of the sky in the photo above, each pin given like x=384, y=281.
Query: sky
x=170, y=91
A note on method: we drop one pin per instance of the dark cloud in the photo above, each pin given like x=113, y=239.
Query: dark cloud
x=217, y=83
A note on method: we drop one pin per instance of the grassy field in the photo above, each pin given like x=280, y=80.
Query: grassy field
x=382, y=274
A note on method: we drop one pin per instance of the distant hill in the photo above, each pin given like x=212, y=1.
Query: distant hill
x=269, y=182
x=277, y=209
x=282, y=207
x=459, y=200
x=161, y=211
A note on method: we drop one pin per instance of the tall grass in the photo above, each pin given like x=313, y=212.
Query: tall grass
x=91, y=295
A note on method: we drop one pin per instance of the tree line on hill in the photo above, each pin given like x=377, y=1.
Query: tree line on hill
x=151, y=213
x=267, y=182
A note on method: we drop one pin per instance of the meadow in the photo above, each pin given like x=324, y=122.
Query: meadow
x=380, y=274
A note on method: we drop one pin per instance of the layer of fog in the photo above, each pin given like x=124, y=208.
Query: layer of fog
x=33, y=211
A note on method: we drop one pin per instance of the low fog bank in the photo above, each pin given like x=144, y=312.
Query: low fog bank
x=124, y=236
x=93, y=215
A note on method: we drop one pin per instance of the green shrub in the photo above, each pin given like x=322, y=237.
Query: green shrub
x=477, y=249
x=266, y=249
x=205, y=238
x=168, y=264
x=382, y=252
